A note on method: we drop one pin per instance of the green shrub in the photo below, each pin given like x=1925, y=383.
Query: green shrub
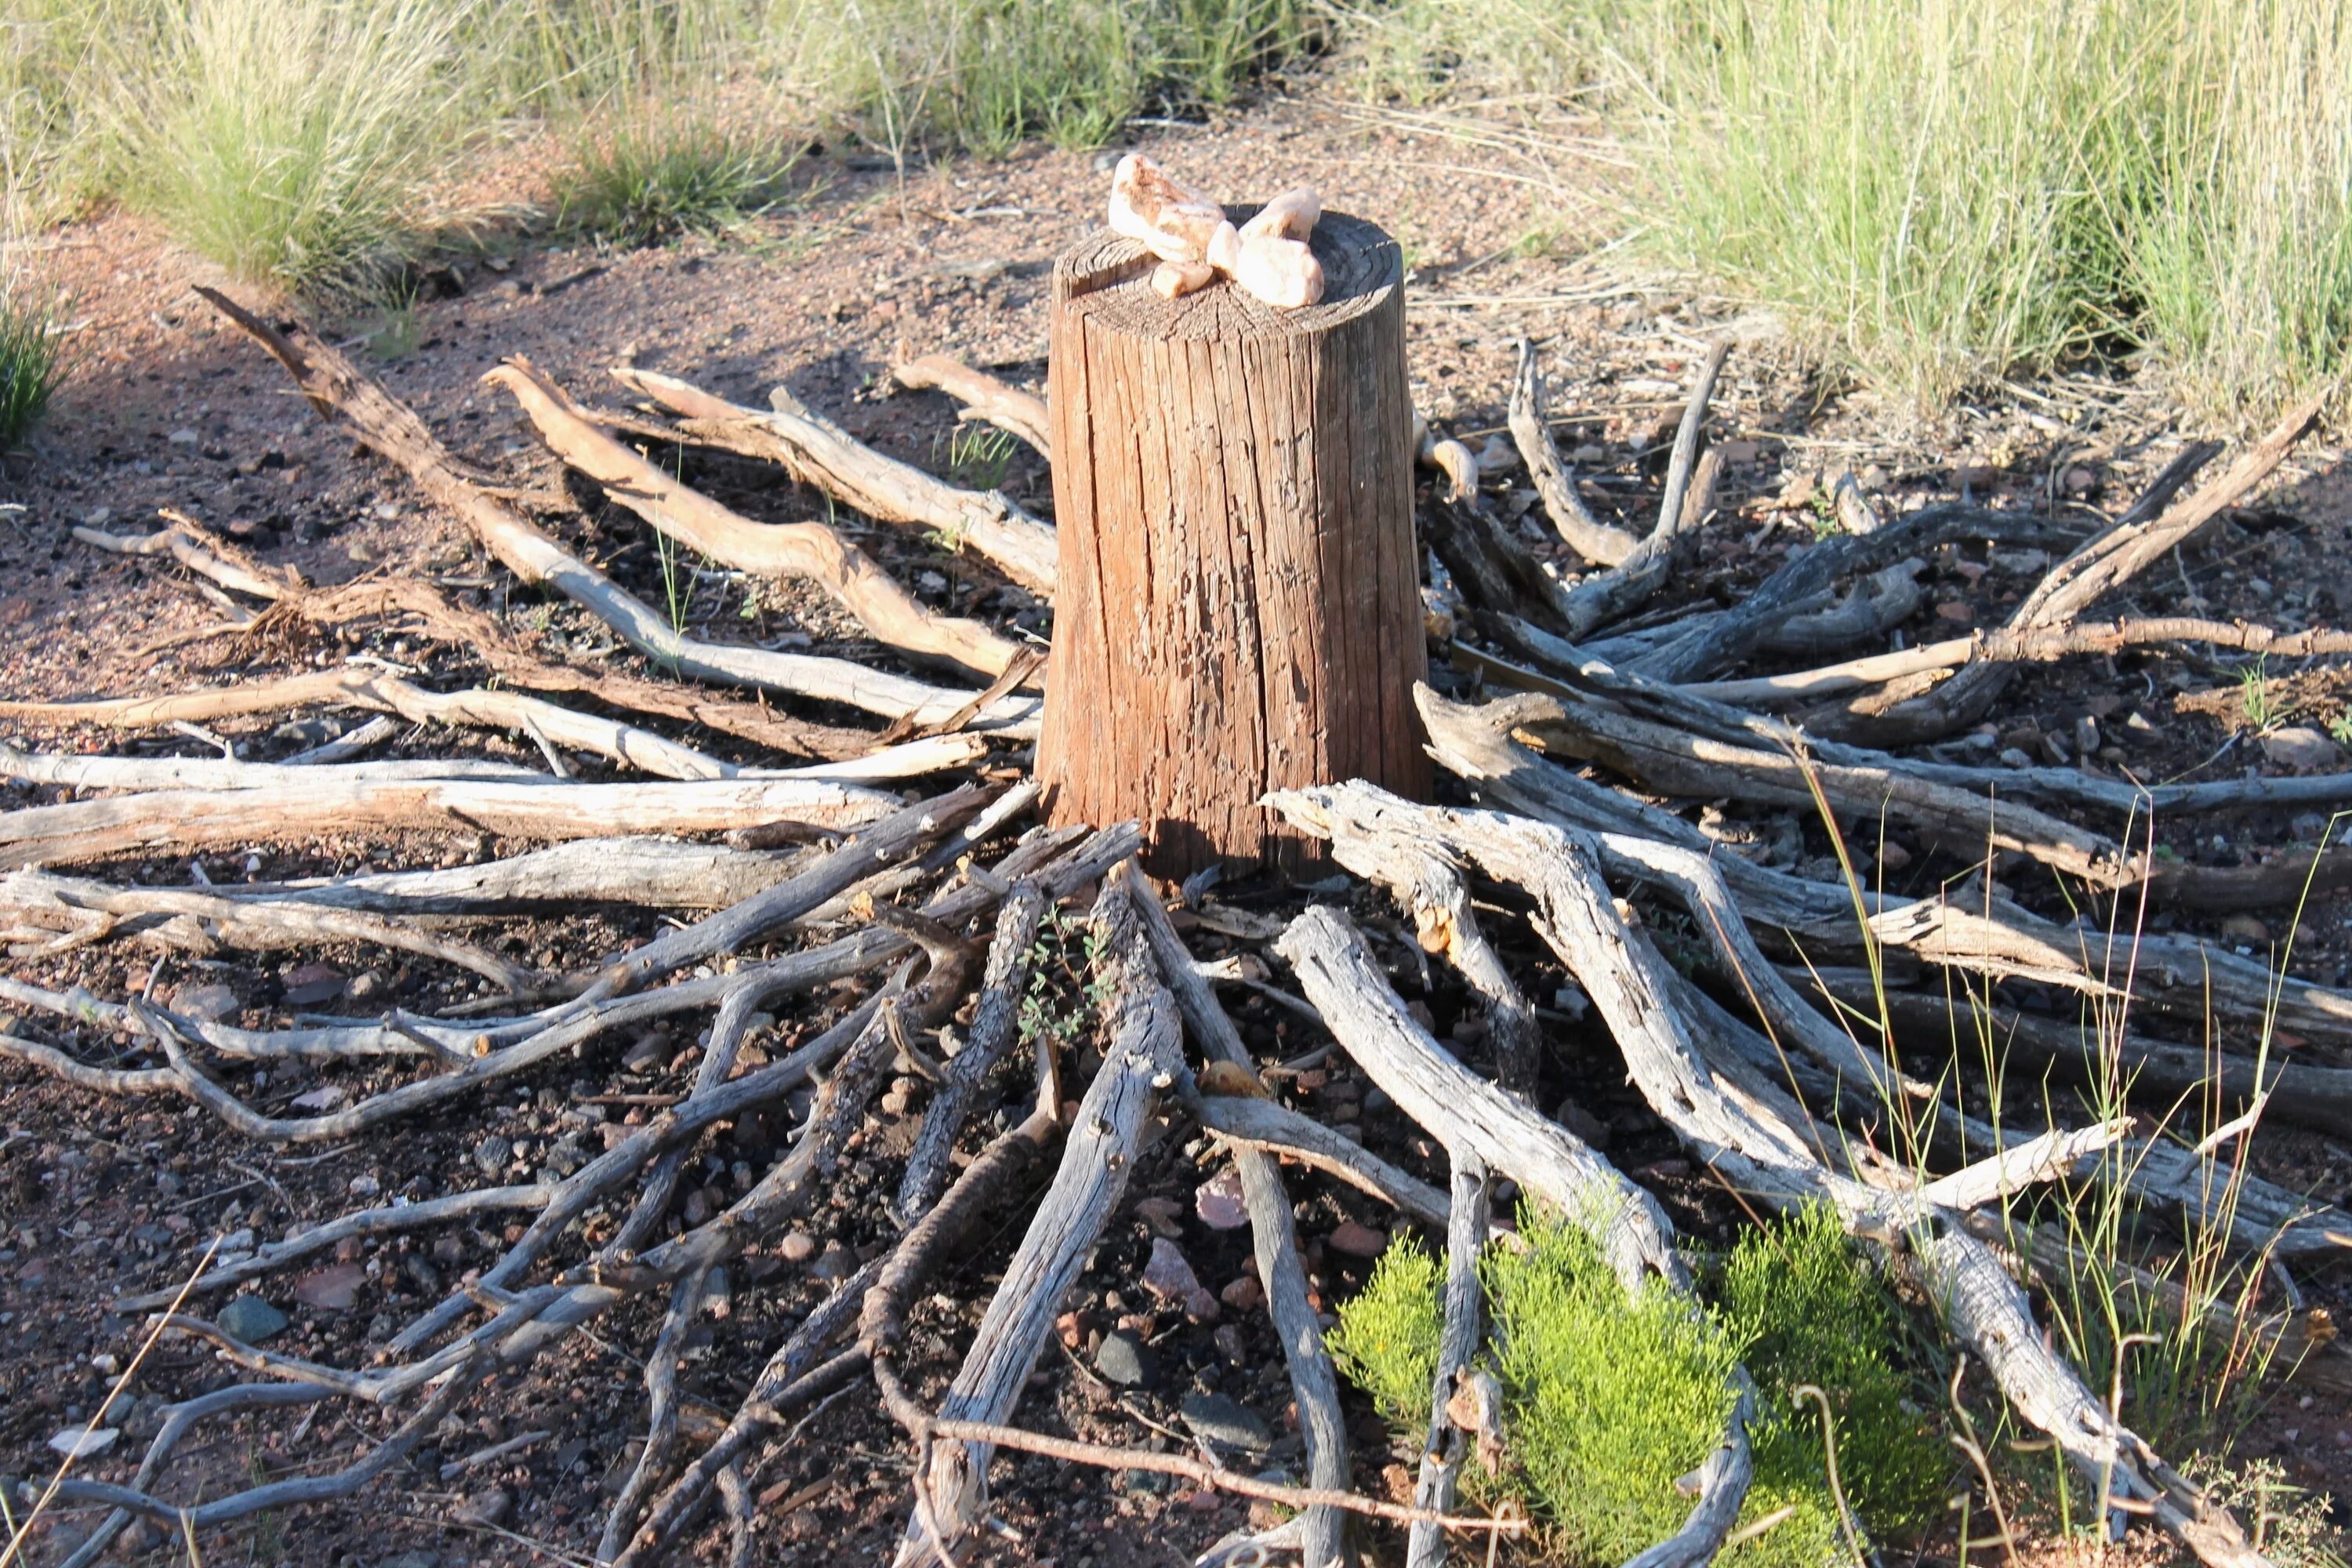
x=1608, y=1400
x=1386, y=1341
x=1808, y=1311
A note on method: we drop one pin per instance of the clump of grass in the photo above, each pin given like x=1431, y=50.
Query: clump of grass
x=657, y=172
x=981, y=74
x=293, y=141
x=1942, y=194
x=29, y=366
x=1607, y=1400
x=2291, y=1525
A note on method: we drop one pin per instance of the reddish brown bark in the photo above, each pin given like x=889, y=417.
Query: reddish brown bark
x=1237, y=605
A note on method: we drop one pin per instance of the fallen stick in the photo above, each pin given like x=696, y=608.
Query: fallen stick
x=810, y=551
x=1314, y=1382
x=2318, y=1098
x=2041, y=646
x=365, y=1221
x=1611, y=595
x=1252, y=1123
x=354, y=687
x=425, y=608
x=1009, y=409
x=656, y=873
x=2094, y=570
x=1141, y=1052
x=1673, y=761
x=176, y=821
x=817, y=452
x=391, y=430
x=197, y=920
x=1433, y=893
x=995, y=1030
x=1979, y=1303
x=1465, y=1112
x=200, y=553
x=1457, y=1342
x=1596, y=541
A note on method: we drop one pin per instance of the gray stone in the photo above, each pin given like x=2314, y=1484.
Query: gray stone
x=207, y=1004
x=493, y=1154
x=489, y=1508
x=1126, y=1361
x=2300, y=749
x=1221, y=1419
x=411, y=1560
x=251, y=1319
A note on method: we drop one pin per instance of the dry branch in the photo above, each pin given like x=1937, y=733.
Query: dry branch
x=1441, y=1458
x=810, y=550
x=817, y=452
x=391, y=430
x=658, y=873
x=307, y=807
x=1009, y=409
x=2097, y=568
x=1630, y=986
x=201, y=921
x=1596, y=541
x=1313, y=1379
x=1141, y=1055
x=2179, y=975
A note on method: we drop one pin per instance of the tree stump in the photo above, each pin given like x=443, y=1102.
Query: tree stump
x=1237, y=602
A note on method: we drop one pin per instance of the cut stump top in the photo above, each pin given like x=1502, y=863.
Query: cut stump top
x=1108, y=277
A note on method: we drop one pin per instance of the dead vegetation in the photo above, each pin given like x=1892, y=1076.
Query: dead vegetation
x=1795, y=1030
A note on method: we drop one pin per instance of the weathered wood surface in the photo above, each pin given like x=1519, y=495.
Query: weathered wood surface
x=1282, y=1275
x=1631, y=988
x=1237, y=605
x=810, y=550
x=1143, y=1052
x=175, y=820
x=1441, y=1459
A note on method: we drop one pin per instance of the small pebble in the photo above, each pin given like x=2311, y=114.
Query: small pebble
x=1357, y=1240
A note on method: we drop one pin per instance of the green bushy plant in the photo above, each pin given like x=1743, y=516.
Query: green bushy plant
x=1607, y=1400
x=1386, y=1341
x=294, y=142
x=1808, y=1312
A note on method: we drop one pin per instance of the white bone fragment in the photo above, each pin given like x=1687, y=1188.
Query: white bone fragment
x=1282, y=272
x=1290, y=215
x=1173, y=280
x=1173, y=222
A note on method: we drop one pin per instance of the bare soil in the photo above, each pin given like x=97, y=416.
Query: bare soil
x=167, y=407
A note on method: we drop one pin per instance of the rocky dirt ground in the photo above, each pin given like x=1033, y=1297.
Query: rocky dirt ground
x=167, y=407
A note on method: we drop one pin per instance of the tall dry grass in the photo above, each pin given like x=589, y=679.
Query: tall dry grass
x=1944, y=192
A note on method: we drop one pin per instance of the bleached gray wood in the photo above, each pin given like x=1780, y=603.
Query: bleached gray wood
x=1980, y=1304
x=1314, y=1381
x=177, y=821
x=1143, y=1054
x=995, y=1028
x=1457, y=1342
